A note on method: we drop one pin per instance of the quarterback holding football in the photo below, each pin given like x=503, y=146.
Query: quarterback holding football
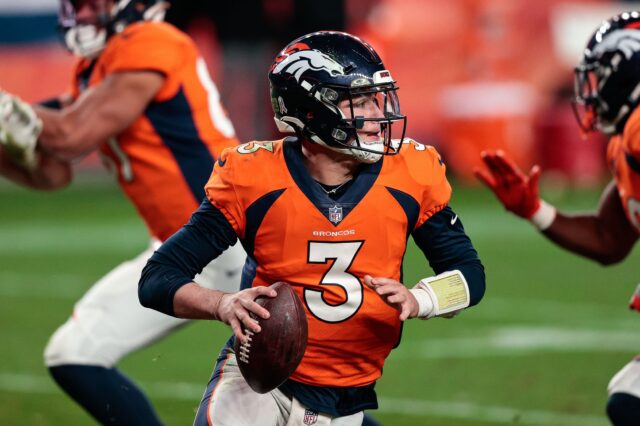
x=329, y=211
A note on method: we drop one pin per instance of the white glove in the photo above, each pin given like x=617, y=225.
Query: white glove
x=20, y=128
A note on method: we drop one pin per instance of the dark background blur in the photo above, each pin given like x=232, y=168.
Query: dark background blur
x=253, y=21
x=474, y=74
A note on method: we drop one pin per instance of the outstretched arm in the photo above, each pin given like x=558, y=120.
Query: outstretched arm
x=50, y=174
x=41, y=140
x=605, y=236
x=98, y=114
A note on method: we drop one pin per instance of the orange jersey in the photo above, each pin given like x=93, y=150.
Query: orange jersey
x=623, y=156
x=165, y=157
x=296, y=233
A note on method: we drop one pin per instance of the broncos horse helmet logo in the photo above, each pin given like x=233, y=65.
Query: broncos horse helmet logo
x=626, y=41
x=301, y=61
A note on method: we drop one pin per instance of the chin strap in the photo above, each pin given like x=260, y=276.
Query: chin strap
x=362, y=156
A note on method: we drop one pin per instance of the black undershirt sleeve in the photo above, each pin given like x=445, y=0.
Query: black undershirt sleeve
x=183, y=256
x=444, y=242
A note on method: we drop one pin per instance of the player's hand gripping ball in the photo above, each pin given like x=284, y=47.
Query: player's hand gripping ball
x=269, y=357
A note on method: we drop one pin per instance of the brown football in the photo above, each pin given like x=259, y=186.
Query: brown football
x=274, y=353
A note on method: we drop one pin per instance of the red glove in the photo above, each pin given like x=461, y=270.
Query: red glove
x=515, y=190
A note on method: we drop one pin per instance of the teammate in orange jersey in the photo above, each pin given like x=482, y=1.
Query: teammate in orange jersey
x=142, y=97
x=608, y=88
x=329, y=211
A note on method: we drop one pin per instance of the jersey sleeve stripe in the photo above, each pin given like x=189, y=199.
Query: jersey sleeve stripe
x=409, y=205
x=254, y=214
x=632, y=162
x=179, y=133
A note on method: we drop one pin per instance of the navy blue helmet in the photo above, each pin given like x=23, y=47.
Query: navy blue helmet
x=314, y=73
x=607, y=80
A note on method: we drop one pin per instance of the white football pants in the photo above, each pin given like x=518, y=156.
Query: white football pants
x=108, y=322
x=627, y=380
x=229, y=401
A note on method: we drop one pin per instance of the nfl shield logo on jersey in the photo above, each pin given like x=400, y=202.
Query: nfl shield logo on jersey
x=310, y=417
x=335, y=214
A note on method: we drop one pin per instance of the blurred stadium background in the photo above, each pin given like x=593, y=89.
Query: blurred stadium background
x=474, y=74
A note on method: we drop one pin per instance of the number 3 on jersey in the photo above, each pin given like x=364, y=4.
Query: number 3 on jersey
x=343, y=255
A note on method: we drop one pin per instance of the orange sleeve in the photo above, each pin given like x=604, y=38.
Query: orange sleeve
x=430, y=173
x=631, y=135
x=222, y=194
x=148, y=46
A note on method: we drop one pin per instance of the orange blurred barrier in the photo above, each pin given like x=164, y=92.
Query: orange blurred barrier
x=486, y=115
x=35, y=71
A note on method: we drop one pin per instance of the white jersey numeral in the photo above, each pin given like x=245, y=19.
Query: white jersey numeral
x=338, y=274
x=218, y=116
x=124, y=163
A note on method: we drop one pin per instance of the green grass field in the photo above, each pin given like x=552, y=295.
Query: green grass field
x=539, y=350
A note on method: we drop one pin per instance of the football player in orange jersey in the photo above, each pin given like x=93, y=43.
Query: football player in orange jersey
x=329, y=211
x=607, y=89
x=143, y=98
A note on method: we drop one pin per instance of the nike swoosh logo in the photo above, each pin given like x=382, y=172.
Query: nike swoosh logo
x=454, y=220
x=221, y=163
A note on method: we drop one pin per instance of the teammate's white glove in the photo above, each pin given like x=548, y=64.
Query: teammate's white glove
x=20, y=128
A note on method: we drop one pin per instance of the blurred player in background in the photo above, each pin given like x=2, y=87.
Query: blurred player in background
x=607, y=92
x=143, y=98
x=329, y=211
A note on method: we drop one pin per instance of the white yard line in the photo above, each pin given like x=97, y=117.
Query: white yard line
x=520, y=341
x=45, y=237
x=485, y=413
x=26, y=383
x=43, y=285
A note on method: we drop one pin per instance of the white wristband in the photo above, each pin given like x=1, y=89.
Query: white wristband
x=544, y=216
x=445, y=293
x=425, y=304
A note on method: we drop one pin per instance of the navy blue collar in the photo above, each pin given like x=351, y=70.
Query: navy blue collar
x=334, y=210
